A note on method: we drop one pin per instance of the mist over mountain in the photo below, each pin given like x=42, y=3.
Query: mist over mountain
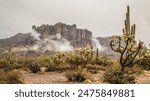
x=57, y=37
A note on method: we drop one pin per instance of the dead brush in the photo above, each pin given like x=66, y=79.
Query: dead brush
x=94, y=68
x=10, y=77
x=77, y=75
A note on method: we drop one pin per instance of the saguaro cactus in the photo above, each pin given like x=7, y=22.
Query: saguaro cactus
x=126, y=45
x=97, y=55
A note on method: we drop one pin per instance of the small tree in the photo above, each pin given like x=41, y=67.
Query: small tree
x=126, y=45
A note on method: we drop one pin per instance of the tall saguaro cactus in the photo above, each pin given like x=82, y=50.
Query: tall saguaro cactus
x=126, y=45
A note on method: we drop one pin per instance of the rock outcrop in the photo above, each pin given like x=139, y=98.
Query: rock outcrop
x=77, y=37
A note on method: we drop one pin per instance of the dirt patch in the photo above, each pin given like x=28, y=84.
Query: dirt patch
x=56, y=78
x=60, y=78
x=144, y=78
x=44, y=78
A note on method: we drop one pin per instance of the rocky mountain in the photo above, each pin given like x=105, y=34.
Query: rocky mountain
x=75, y=36
x=19, y=39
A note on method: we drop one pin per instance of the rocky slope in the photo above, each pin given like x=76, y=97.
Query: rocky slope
x=19, y=39
x=77, y=37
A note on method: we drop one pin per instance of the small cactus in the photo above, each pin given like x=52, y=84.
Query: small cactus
x=97, y=55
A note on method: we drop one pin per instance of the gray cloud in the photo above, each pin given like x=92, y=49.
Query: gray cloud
x=102, y=17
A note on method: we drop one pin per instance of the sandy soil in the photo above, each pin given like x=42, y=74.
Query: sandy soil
x=55, y=78
x=144, y=78
x=59, y=78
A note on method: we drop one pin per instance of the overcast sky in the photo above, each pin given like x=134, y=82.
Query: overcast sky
x=102, y=17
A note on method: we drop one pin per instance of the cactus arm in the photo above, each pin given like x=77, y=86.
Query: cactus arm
x=115, y=49
x=133, y=58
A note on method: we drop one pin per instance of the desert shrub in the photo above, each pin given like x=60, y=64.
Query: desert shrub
x=105, y=61
x=18, y=63
x=86, y=55
x=56, y=62
x=60, y=67
x=136, y=69
x=11, y=63
x=115, y=75
x=51, y=67
x=145, y=63
x=6, y=63
x=43, y=61
x=58, y=58
x=94, y=68
x=78, y=75
x=80, y=57
x=74, y=60
x=53, y=62
x=3, y=64
x=34, y=66
x=10, y=77
x=63, y=66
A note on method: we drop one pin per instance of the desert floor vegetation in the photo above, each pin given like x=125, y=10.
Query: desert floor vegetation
x=70, y=67
x=83, y=65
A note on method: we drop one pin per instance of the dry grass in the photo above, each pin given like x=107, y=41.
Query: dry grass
x=77, y=75
x=10, y=77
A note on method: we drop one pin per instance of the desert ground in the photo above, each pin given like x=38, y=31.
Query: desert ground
x=60, y=78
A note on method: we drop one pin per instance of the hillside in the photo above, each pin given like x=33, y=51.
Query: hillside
x=50, y=37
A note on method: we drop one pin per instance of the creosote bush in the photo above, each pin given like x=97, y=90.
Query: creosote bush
x=116, y=76
x=78, y=75
x=34, y=66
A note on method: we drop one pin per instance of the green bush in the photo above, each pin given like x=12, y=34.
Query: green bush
x=43, y=61
x=74, y=60
x=51, y=67
x=11, y=63
x=78, y=75
x=105, y=61
x=58, y=58
x=34, y=66
x=94, y=68
x=145, y=63
x=116, y=76
x=85, y=55
x=3, y=64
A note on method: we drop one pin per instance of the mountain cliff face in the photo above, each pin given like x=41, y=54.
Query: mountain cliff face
x=75, y=36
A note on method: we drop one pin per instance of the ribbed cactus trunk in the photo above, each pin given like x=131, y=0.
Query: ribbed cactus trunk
x=97, y=55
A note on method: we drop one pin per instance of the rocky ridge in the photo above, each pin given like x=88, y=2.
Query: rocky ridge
x=77, y=37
